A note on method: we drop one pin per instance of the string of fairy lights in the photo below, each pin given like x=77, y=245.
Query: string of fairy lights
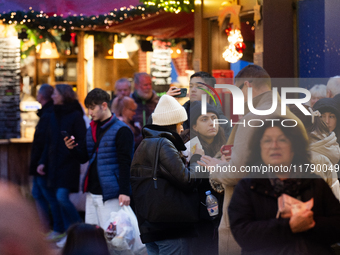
x=175, y=6
x=40, y=20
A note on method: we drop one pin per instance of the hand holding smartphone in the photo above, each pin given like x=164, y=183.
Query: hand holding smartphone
x=183, y=93
x=69, y=142
x=65, y=134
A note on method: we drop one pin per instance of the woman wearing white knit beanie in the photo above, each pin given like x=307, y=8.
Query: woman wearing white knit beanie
x=168, y=112
x=171, y=234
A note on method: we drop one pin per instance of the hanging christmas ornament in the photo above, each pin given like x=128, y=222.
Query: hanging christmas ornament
x=234, y=51
x=240, y=47
x=231, y=54
x=231, y=9
x=228, y=29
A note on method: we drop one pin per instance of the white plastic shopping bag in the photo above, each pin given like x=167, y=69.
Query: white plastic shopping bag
x=122, y=232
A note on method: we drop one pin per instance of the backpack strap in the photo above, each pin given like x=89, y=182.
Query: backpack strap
x=154, y=176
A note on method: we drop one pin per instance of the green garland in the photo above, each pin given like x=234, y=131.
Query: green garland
x=172, y=5
x=40, y=20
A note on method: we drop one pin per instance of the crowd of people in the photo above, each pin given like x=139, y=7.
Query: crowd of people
x=149, y=152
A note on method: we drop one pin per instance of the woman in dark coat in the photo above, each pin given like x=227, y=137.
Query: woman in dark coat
x=162, y=227
x=211, y=137
x=256, y=223
x=61, y=169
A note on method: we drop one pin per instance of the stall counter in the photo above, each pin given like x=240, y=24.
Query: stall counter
x=15, y=156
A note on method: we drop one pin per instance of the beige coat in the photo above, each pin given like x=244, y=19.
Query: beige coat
x=241, y=137
x=326, y=152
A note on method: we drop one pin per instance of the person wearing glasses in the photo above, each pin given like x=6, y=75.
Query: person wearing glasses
x=258, y=221
x=125, y=109
x=255, y=77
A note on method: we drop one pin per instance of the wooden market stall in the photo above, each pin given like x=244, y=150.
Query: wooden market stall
x=84, y=63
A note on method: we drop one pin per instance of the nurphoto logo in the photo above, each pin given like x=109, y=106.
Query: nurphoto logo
x=238, y=105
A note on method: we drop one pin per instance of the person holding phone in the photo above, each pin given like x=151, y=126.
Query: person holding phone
x=108, y=146
x=62, y=171
x=177, y=92
x=212, y=138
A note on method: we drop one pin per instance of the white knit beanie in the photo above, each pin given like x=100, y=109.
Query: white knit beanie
x=168, y=112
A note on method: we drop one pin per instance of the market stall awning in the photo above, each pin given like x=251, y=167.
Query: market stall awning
x=120, y=16
x=163, y=25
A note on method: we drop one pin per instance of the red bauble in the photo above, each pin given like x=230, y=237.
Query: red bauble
x=240, y=47
x=227, y=30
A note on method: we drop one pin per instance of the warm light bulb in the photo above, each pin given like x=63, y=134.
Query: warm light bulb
x=48, y=52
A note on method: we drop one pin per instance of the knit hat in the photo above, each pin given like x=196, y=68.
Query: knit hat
x=168, y=112
x=336, y=98
x=195, y=111
x=328, y=105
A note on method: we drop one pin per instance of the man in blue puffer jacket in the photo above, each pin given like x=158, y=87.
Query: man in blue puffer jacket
x=109, y=150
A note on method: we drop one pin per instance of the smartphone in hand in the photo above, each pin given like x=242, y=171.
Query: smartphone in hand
x=183, y=93
x=65, y=134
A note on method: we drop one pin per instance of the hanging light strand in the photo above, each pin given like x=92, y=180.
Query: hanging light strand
x=34, y=19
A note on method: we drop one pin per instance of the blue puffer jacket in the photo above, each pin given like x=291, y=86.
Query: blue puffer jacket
x=107, y=161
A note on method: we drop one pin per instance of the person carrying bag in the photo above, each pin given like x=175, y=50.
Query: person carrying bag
x=163, y=188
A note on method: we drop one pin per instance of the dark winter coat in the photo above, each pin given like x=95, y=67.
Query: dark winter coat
x=144, y=108
x=252, y=214
x=62, y=169
x=172, y=168
x=39, y=140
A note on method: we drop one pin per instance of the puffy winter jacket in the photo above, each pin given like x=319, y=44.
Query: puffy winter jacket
x=107, y=160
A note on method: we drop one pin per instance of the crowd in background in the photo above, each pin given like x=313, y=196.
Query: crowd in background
x=135, y=146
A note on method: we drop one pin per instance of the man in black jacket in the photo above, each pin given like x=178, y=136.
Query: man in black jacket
x=41, y=193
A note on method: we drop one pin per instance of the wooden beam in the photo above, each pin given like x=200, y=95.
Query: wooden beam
x=81, y=70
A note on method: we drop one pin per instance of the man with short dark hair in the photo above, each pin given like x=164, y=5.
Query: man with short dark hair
x=109, y=149
x=145, y=98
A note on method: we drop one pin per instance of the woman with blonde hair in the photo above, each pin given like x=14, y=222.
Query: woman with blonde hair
x=125, y=108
